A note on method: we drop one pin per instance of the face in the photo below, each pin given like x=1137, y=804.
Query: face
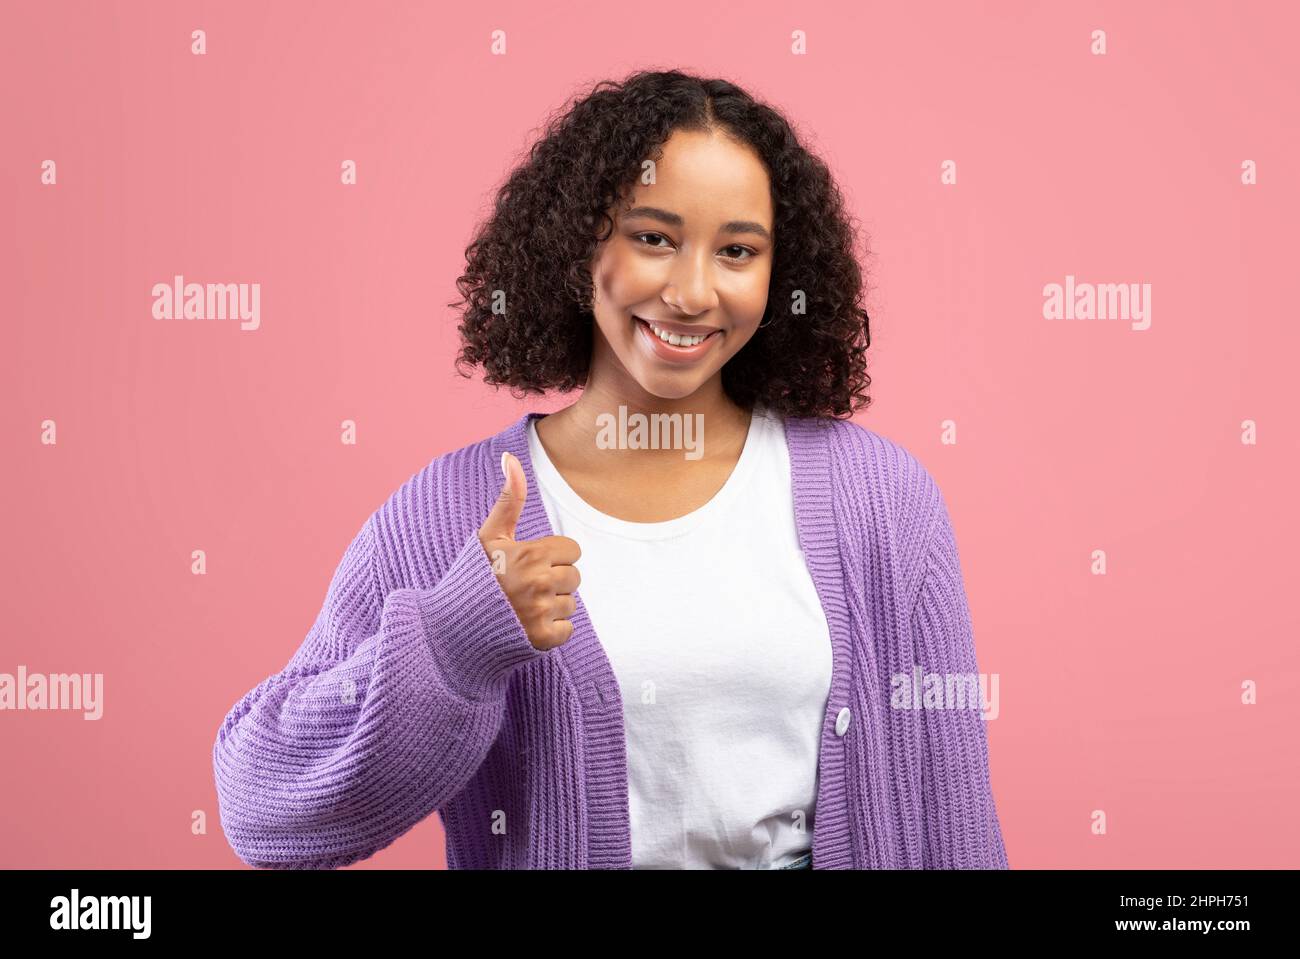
x=690, y=257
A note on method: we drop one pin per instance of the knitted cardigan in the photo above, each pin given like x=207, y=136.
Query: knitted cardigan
x=417, y=689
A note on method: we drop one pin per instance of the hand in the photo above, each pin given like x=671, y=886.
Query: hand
x=537, y=576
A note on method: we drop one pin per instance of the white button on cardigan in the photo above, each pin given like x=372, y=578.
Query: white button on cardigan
x=842, y=721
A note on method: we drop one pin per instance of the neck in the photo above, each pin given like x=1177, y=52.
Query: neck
x=574, y=429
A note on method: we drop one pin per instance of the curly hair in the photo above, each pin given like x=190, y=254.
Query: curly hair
x=536, y=250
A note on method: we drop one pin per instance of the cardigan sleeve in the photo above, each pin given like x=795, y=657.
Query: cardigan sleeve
x=384, y=713
x=961, y=828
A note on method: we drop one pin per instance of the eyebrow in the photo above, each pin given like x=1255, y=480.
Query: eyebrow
x=674, y=219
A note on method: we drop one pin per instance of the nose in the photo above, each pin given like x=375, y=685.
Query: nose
x=690, y=284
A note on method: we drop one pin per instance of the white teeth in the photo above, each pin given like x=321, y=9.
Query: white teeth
x=674, y=338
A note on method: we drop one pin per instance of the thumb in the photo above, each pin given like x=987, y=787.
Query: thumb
x=503, y=519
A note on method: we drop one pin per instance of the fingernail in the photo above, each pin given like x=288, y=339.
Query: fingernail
x=503, y=465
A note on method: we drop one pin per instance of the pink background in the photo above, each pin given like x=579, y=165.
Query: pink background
x=1119, y=692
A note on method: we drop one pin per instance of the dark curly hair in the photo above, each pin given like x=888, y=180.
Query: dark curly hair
x=536, y=250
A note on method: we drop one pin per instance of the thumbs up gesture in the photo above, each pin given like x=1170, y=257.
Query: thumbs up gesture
x=538, y=575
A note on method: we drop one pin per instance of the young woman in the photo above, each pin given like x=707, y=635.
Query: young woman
x=763, y=582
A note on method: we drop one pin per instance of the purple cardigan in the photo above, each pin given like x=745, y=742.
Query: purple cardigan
x=416, y=689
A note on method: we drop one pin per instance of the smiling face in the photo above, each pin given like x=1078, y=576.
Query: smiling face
x=690, y=256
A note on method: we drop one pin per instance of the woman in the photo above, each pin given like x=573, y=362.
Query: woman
x=760, y=576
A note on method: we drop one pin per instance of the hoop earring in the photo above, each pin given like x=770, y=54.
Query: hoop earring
x=768, y=322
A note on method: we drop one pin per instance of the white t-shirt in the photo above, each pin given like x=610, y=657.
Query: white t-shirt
x=722, y=653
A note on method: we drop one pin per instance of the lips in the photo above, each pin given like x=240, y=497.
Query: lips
x=668, y=352
x=681, y=329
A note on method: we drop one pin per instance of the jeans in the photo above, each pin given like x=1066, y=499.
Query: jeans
x=803, y=862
